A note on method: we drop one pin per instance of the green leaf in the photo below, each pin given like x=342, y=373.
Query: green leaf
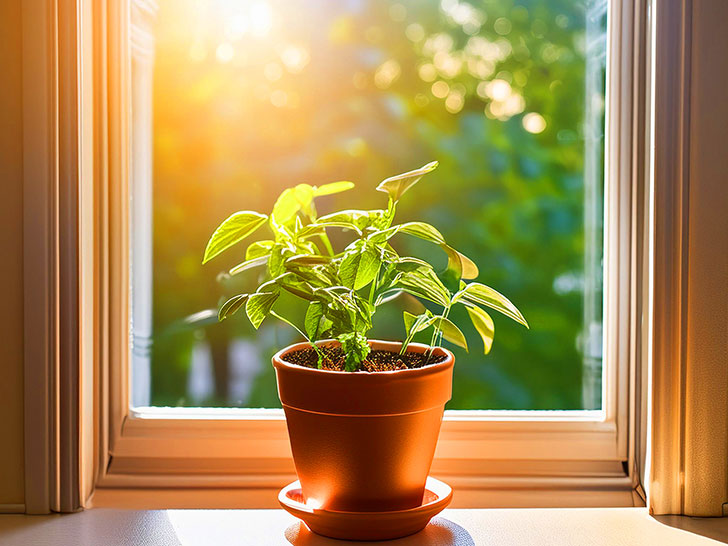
x=291, y=201
x=483, y=324
x=388, y=295
x=417, y=323
x=355, y=348
x=397, y=185
x=325, y=327
x=451, y=332
x=311, y=230
x=312, y=321
x=278, y=256
x=292, y=283
x=231, y=306
x=408, y=263
x=332, y=187
x=485, y=295
x=307, y=247
x=259, y=305
x=234, y=229
x=307, y=259
x=359, y=267
x=258, y=249
x=249, y=264
x=423, y=231
x=409, y=320
x=283, y=234
x=459, y=266
x=363, y=311
x=316, y=275
x=423, y=282
x=414, y=324
x=359, y=218
x=418, y=229
x=333, y=223
x=300, y=198
x=381, y=236
x=453, y=273
x=470, y=269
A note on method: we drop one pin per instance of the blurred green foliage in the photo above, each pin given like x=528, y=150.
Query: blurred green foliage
x=356, y=90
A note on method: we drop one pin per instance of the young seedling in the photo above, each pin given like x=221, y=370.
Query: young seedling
x=344, y=289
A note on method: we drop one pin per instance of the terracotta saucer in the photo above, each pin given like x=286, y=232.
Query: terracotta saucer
x=367, y=525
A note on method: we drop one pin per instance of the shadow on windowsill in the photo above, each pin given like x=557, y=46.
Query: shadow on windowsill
x=715, y=528
x=439, y=532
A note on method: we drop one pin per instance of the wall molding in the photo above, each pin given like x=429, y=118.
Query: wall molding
x=690, y=310
x=12, y=508
x=39, y=250
x=670, y=186
x=50, y=247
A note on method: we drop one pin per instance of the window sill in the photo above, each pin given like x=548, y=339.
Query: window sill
x=546, y=527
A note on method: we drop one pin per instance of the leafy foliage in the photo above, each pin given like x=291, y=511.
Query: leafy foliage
x=344, y=289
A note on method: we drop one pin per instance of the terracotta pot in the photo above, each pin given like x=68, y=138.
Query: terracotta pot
x=364, y=441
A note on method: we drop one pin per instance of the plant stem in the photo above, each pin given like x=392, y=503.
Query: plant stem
x=437, y=332
x=313, y=345
x=391, y=209
x=325, y=240
x=375, y=284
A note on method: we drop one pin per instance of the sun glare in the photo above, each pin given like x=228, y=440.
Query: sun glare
x=261, y=19
x=313, y=503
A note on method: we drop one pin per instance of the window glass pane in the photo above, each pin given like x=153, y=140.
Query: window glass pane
x=236, y=100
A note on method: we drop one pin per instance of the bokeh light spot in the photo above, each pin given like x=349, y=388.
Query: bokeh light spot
x=387, y=73
x=427, y=72
x=534, y=123
x=295, y=58
x=454, y=102
x=502, y=26
x=421, y=100
x=440, y=89
x=498, y=90
x=415, y=32
x=224, y=52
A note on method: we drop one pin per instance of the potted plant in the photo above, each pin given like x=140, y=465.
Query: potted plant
x=363, y=415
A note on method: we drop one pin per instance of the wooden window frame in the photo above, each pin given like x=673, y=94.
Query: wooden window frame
x=96, y=451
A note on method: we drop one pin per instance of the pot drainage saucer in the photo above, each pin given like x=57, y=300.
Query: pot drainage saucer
x=367, y=525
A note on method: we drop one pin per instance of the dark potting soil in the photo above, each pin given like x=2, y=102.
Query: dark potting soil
x=377, y=361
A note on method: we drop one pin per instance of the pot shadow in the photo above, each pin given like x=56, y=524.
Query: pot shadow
x=715, y=528
x=439, y=532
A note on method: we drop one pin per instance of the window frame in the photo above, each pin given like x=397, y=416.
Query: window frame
x=156, y=458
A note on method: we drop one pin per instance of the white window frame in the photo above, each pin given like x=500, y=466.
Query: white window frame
x=158, y=458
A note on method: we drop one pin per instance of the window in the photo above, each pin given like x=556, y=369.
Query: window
x=244, y=99
x=509, y=96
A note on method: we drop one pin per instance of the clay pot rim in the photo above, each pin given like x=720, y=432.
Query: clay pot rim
x=376, y=344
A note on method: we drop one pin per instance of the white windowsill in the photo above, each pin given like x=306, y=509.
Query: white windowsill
x=153, y=412
x=502, y=527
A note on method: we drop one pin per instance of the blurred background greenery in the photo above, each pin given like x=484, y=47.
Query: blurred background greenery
x=253, y=97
